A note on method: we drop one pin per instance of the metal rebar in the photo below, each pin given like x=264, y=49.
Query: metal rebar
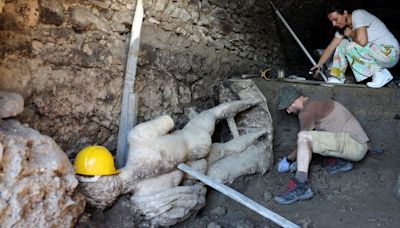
x=238, y=197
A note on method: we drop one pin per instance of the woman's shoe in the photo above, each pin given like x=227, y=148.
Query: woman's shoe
x=336, y=80
x=380, y=79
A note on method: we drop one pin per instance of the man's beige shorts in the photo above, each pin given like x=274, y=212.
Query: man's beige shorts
x=340, y=145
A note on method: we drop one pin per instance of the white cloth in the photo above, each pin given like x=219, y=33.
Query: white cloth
x=283, y=165
x=377, y=31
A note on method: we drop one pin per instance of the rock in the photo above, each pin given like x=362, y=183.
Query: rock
x=153, y=21
x=232, y=5
x=160, y=5
x=19, y=15
x=11, y=104
x=220, y=3
x=84, y=20
x=205, y=6
x=103, y=4
x=1, y=5
x=179, y=13
x=243, y=54
x=37, y=46
x=203, y=20
x=242, y=223
x=51, y=12
x=219, y=13
x=124, y=17
x=218, y=211
x=267, y=196
x=37, y=181
x=305, y=222
x=213, y=225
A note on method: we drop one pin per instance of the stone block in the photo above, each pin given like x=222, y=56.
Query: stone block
x=51, y=12
x=11, y=104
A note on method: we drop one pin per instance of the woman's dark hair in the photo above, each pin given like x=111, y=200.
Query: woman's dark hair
x=336, y=7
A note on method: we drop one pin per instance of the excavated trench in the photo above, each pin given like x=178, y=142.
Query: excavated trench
x=67, y=60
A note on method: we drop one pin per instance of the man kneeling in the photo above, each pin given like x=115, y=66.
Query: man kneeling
x=326, y=128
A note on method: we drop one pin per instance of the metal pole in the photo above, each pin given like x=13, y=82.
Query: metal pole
x=238, y=197
x=297, y=39
x=128, y=105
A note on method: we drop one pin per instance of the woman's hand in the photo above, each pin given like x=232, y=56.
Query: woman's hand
x=315, y=69
x=349, y=32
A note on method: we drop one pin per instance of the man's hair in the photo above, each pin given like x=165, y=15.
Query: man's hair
x=287, y=95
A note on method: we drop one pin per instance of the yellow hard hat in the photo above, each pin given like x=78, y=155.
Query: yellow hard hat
x=93, y=161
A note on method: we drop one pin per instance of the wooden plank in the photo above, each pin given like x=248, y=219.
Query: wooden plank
x=322, y=83
x=312, y=82
x=128, y=109
x=238, y=197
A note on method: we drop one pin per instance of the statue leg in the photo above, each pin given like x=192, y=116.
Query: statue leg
x=230, y=109
x=252, y=160
x=153, y=128
x=234, y=146
x=206, y=119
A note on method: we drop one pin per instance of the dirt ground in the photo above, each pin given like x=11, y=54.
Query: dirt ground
x=362, y=197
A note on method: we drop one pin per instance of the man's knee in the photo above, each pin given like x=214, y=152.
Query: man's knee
x=304, y=137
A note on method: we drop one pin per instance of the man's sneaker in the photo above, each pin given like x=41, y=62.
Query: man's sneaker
x=380, y=79
x=334, y=165
x=294, y=192
x=336, y=80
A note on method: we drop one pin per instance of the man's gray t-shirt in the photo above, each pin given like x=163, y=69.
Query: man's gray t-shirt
x=330, y=116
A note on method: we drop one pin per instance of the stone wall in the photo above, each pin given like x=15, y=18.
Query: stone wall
x=67, y=59
x=190, y=47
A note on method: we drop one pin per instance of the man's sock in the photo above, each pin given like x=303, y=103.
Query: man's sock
x=301, y=176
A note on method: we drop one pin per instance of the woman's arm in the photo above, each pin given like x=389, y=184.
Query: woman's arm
x=329, y=50
x=360, y=36
x=326, y=54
